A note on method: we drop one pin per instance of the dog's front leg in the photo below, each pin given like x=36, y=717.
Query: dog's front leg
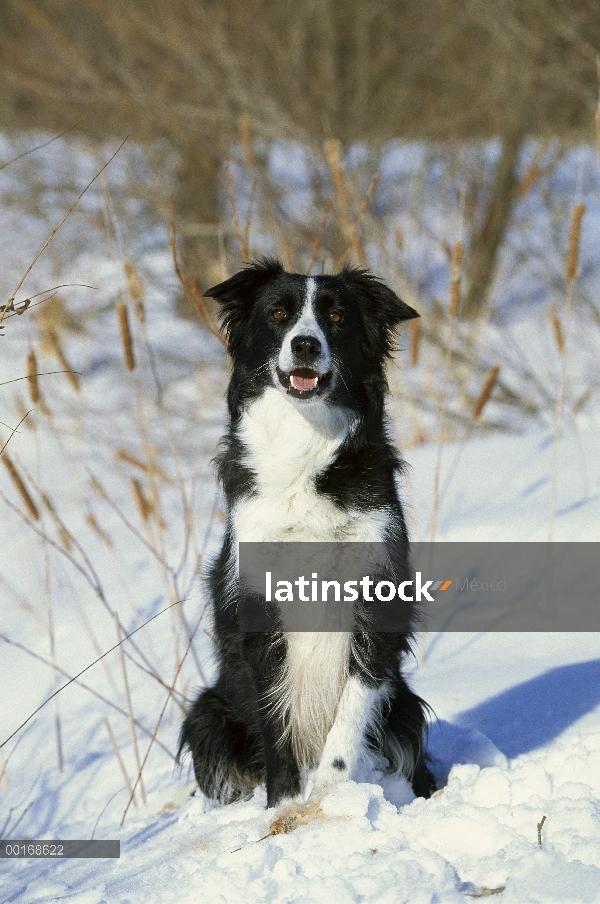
x=265, y=659
x=358, y=708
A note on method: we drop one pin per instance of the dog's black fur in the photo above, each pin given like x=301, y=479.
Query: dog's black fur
x=235, y=731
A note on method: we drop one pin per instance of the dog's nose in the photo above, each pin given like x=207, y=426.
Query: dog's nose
x=306, y=348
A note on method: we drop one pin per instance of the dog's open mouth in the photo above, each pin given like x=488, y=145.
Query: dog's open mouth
x=304, y=383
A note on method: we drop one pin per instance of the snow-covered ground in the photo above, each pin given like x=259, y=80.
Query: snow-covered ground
x=516, y=736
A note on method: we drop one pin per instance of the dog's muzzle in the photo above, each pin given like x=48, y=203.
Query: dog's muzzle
x=305, y=380
x=304, y=383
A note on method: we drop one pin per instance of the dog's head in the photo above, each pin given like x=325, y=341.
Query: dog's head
x=312, y=337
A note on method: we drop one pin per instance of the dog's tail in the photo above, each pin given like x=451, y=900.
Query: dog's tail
x=227, y=759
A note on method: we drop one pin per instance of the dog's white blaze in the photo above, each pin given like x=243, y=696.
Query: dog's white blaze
x=311, y=291
x=287, y=445
x=358, y=708
x=306, y=325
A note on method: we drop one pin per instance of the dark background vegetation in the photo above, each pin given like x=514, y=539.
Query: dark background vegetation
x=205, y=75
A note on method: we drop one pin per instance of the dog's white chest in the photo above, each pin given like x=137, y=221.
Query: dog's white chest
x=287, y=448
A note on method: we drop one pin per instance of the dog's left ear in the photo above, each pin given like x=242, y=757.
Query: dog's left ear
x=384, y=310
x=237, y=295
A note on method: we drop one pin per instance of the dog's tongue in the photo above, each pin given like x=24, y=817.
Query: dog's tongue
x=304, y=379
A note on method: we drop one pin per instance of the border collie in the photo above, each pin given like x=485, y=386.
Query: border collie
x=307, y=457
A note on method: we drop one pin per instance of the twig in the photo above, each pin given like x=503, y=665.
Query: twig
x=264, y=838
x=86, y=687
x=129, y=705
x=117, y=752
x=46, y=373
x=190, y=287
x=55, y=230
x=540, y=826
x=79, y=674
x=15, y=429
x=162, y=712
x=26, y=302
x=103, y=810
x=38, y=147
x=485, y=892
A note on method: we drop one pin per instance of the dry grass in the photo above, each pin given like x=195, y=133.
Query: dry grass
x=126, y=337
x=19, y=484
x=456, y=271
x=486, y=391
x=571, y=274
x=143, y=494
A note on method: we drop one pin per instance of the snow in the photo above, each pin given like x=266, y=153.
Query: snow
x=516, y=733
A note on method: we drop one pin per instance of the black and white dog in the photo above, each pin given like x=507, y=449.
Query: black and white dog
x=307, y=457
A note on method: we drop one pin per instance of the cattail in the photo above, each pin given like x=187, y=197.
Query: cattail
x=333, y=153
x=486, y=391
x=533, y=171
x=558, y=332
x=249, y=216
x=399, y=237
x=96, y=527
x=152, y=468
x=99, y=489
x=287, y=254
x=456, y=268
x=457, y=259
x=126, y=339
x=454, y=297
x=529, y=179
x=234, y=214
x=245, y=130
x=145, y=507
x=353, y=231
x=135, y=287
x=124, y=455
x=64, y=534
x=319, y=237
x=574, y=236
x=32, y=377
x=415, y=341
x=23, y=411
x=20, y=486
x=58, y=351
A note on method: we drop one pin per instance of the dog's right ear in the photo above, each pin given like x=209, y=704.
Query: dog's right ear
x=237, y=295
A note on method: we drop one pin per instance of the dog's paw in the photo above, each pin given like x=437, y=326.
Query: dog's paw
x=293, y=815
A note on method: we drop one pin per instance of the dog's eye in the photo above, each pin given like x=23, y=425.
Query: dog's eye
x=335, y=317
x=279, y=314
